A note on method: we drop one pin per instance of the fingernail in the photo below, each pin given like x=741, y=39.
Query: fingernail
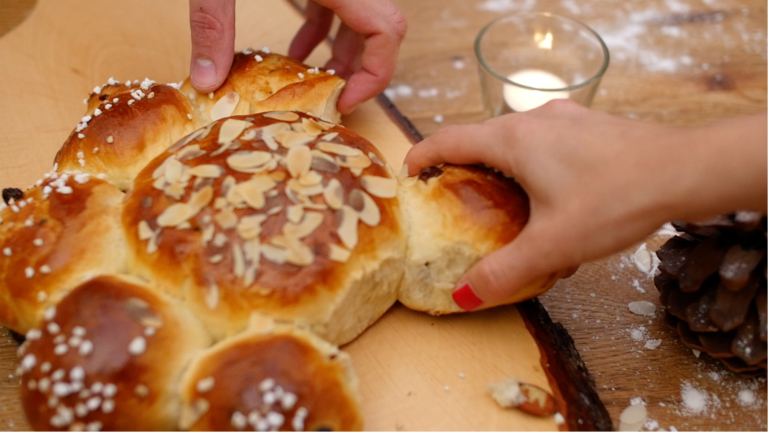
x=203, y=73
x=466, y=298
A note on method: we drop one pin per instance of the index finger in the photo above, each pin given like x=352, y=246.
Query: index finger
x=383, y=27
x=460, y=145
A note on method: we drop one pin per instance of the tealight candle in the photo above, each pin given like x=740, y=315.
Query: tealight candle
x=521, y=99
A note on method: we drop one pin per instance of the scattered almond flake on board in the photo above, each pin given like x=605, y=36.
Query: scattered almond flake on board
x=633, y=418
x=645, y=261
x=644, y=308
x=652, y=344
x=225, y=106
x=282, y=115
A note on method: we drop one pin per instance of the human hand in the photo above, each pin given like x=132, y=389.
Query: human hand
x=596, y=184
x=364, y=51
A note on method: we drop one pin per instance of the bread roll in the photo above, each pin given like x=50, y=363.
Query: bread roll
x=109, y=356
x=64, y=230
x=273, y=377
x=126, y=125
x=456, y=215
x=261, y=82
x=278, y=213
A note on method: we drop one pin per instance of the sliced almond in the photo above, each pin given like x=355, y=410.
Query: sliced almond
x=298, y=161
x=201, y=198
x=294, y=213
x=249, y=135
x=249, y=227
x=215, y=259
x=299, y=254
x=145, y=232
x=347, y=226
x=357, y=172
x=282, y=115
x=252, y=250
x=152, y=245
x=212, y=297
x=207, y=235
x=365, y=206
x=330, y=136
x=338, y=253
x=250, y=274
x=304, y=190
x=190, y=152
x=277, y=176
x=311, y=178
x=160, y=183
x=220, y=239
x=231, y=129
x=160, y=170
x=275, y=210
x=375, y=159
x=207, y=171
x=273, y=253
x=338, y=149
x=226, y=219
x=225, y=106
x=381, y=187
x=334, y=194
x=359, y=161
x=187, y=139
x=307, y=226
x=248, y=159
x=314, y=128
x=298, y=127
x=238, y=259
x=293, y=139
x=173, y=170
x=175, y=214
x=175, y=191
x=324, y=162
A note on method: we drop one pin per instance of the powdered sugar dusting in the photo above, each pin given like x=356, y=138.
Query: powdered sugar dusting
x=694, y=400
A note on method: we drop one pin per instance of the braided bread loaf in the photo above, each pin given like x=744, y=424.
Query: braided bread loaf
x=256, y=234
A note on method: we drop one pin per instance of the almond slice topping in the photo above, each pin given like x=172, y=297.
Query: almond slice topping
x=312, y=178
x=231, y=129
x=338, y=253
x=273, y=253
x=282, y=115
x=145, y=232
x=207, y=171
x=201, y=198
x=175, y=214
x=225, y=106
x=314, y=128
x=299, y=254
x=175, y=191
x=239, y=260
x=381, y=187
x=298, y=161
x=359, y=161
x=347, y=226
x=173, y=170
x=338, y=149
x=304, y=190
x=159, y=172
x=307, y=226
x=249, y=227
x=324, y=162
x=294, y=213
x=293, y=139
x=334, y=194
x=330, y=136
x=246, y=159
x=226, y=219
x=365, y=206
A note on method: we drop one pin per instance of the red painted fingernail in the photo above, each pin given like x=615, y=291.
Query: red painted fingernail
x=466, y=298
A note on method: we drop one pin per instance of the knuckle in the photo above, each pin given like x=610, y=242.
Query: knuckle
x=399, y=24
x=206, y=28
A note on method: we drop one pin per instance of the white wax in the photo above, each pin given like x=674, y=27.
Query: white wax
x=521, y=99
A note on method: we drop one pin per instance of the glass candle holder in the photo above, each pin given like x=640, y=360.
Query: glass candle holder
x=527, y=59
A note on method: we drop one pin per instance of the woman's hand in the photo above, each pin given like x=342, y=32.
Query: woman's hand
x=596, y=183
x=365, y=48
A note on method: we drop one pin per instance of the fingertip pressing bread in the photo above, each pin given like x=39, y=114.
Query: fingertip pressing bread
x=109, y=356
x=272, y=377
x=279, y=213
x=456, y=215
x=63, y=231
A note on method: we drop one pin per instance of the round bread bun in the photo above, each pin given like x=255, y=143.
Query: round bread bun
x=276, y=378
x=109, y=356
x=65, y=230
x=260, y=82
x=279, y=213
x=125, y=126
x=457, y=215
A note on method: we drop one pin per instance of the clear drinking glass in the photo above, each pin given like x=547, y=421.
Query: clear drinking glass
x=528, y=58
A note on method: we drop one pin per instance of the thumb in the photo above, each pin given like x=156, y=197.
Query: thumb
x=212, y=23
x=516, y=272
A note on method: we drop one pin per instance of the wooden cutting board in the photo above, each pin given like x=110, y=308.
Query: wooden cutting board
x=415, y=371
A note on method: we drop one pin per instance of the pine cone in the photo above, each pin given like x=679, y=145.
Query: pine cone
x=712, y=281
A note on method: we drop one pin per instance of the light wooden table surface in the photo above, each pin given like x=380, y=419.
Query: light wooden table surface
x=680, y=62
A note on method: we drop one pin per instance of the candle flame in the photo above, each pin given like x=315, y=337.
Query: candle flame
x=544, y=41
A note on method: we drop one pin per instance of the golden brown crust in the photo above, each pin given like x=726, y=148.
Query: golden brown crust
x=457, y=215
x=134, y=124
x=282, y=380
x=67, y=231
x=109, y=356
x=208, y=257
x=274, y=83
